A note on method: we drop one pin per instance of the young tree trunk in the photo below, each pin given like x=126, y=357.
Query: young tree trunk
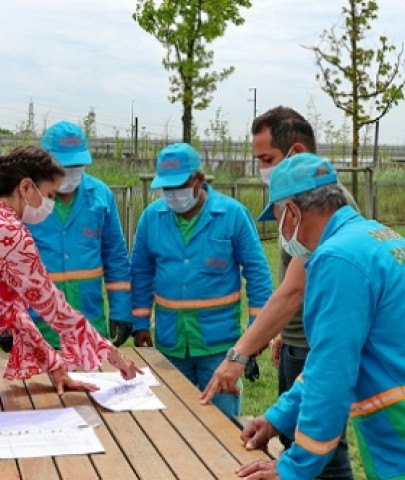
x=355, y=95
x=187, y=120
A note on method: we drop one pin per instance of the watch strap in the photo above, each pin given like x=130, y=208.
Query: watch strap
x=234, y=356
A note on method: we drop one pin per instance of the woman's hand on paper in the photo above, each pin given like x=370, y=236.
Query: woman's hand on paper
x=126, y=366
x=63, y=382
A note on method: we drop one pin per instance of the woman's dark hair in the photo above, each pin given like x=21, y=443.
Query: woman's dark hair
x=27, y=161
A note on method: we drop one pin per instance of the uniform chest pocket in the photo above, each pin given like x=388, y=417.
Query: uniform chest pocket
x=89, y=228
x=217, y=257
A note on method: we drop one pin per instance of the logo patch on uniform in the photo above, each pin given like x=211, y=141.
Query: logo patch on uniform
x=399, y=255
x=90, y=232
x=215, y=263
x=385, y=233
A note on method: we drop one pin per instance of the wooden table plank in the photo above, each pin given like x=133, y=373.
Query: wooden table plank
x=159, y=432
x=14, y=396
x=197, y=438
x=177, y=453
x=219, y=426
x=43, y=395
x=146, y=461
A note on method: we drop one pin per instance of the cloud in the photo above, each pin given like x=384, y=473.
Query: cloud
x=70, y=55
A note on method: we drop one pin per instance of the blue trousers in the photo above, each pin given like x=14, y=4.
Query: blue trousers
x=199, y=371
x=292, y=361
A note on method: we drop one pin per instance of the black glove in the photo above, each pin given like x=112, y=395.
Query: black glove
x=120, y=331
x=252, y=372
x=6, y=341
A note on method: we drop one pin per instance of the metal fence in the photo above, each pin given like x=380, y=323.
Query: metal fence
x=132, y=200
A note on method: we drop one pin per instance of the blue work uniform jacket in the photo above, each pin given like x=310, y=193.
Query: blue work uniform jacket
x=87, y=250
x=354, y=317
x=196, y=288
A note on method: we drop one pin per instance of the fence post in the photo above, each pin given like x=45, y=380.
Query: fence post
x=368, y=174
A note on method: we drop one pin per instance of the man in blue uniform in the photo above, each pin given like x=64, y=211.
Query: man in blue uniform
x=354, y=314
x=191, y=249
x=81, y=243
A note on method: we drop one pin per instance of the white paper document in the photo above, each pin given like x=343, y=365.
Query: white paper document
x=48, y=432
x=118, y=394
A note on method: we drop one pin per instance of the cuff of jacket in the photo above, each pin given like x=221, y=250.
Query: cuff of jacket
x=277, y=421
x=140, y=323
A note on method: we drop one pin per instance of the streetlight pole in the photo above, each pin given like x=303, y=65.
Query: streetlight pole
x=254, y=90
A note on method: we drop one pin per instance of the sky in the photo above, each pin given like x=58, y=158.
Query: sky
x=70, y=56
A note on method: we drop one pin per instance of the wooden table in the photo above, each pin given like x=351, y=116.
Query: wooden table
x=186, y=441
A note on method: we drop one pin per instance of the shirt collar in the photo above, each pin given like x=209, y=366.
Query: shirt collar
x=337, y=220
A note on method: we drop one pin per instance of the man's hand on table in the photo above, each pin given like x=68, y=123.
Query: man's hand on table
x=224, y=380
x=263, y=469
x=255, y=435
x=257, y=432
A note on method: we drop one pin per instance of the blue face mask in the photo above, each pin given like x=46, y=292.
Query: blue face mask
x=180, y=200
x=293, y=247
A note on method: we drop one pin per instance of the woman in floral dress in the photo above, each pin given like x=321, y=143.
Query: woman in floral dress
x=29, y=179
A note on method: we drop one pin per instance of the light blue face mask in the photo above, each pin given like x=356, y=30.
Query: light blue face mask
x=180, y=200
x=293, y=247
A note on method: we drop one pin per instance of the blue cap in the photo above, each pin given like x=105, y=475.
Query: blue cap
x=67, y=143
x=174, y=165
x=297, y=174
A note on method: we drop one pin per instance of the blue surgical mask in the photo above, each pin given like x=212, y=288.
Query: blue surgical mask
x=180, y=200
x=293, y=247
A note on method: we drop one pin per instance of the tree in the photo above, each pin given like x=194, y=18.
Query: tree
x=185, y=28
x=363, y=82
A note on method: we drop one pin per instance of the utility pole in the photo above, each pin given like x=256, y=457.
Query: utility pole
x=136, y=139
x=254, y=90
x=132, y=131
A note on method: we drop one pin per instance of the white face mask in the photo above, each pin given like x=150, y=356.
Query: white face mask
x=71, y=180
x=180, y=200
x=265, y=173
x=37, y=214
x=293, y=247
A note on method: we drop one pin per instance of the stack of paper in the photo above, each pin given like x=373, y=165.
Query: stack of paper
x=42, y=433
x=118, y=394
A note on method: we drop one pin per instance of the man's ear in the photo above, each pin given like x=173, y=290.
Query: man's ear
x=200, y=176
x=295, y=211
x=298, y=148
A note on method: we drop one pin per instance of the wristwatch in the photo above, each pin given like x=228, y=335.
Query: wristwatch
x=235, y=356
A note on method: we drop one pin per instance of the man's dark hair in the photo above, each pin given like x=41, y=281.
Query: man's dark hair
x=287, y=127
x=27, y=162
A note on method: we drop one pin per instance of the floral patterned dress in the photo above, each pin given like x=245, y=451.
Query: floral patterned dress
x=24, y=283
